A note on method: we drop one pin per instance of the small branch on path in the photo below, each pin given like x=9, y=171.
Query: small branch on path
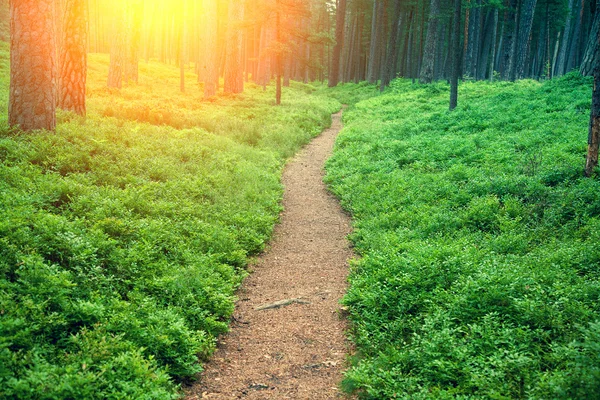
x=281, y=303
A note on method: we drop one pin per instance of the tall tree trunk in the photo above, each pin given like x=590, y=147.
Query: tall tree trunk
x=373, y=69
x=426, y=75
x=340, y=18
x=73, y=58
x=211, y=57
x=279, y=54
x=493, y=51
x=33, y=94
x=524, y=37
x=132, y=51
x=592, y=50
x=392, y=51
x=509, y=40
x=572, y=60
x=117, y=48
x=234, y=74
x=182, y=47
x=564, y=47
x=594, y=129
x=456, y=55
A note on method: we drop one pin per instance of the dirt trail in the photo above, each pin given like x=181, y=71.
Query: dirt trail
x=297, y=350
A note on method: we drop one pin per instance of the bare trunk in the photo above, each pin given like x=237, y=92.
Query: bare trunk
x=594, y=129
x=592, y=50
x=33, y=94
x=211, y=61
x=234, y=74
x=73, y=58
x=456, y=55
x=426, y=75
x=334, y=74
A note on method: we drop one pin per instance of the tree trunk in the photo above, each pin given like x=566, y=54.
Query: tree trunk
x=526, y=22
x=73, y=58
x=493, y=51
x=373, y=69
x=130, y=71
x=234, y=74
x=279, y=54
x=562, y=55
x=211, y=57
x=392, y=51
x=33, y=92
x=592, y=50
x=456, y=55
x=426, y=75
x=572, y=60
x=509, y=40
x=594, y=129
x=117, y=48
x=334, y=74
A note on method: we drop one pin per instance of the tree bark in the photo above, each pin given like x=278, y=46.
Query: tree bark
x=594, y=129
x=117, y=48
x=526, y=22
x=211, y=56
x=592, y=50
x=73, y=58
x=456, y=55
x=389, y=67
x=509, y=40
x=33, y=92
x=562, y=55
x=234, y=74
x=373, y=69
x=340, y=18
x=426, y=75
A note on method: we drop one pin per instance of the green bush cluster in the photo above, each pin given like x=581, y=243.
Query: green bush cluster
x=479, y=269
x=122, y=242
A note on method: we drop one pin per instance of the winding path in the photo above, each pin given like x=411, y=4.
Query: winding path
x=287, y=338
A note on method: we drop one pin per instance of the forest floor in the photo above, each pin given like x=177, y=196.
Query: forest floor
x=287, y=337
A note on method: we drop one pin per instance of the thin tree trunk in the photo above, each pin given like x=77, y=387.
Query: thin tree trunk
x=456, y=55
x=575, y=40
x=334, y=74
x=33, y=92
x=373, y=68
x=493, y=51
x=279, y=53
x=562, y=55
x=510, y=39
x=210, y=70
x=234, y=74
x=426, y=75
x=392, y=51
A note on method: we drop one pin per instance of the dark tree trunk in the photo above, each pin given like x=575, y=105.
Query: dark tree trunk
x=374, y=67
x=389, y=66
x=493, y=51
x=456, y=55
x=33, y=92
x=572, y=60
x=73, y=58
x=509, y=40
x=334, y=74
x=594, y=129
x=592, y=50
x=564, y=47
x=526, y=22
x=426, y=75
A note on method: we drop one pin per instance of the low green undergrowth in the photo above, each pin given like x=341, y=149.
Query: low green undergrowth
x=479, y=269
x=123, y=237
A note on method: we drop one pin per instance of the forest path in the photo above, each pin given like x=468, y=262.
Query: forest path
x=296, y=350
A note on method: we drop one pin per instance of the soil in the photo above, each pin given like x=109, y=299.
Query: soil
x=287, y=338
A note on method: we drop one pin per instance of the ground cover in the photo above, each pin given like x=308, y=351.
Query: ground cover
x=479, y=269
x=123, y=236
